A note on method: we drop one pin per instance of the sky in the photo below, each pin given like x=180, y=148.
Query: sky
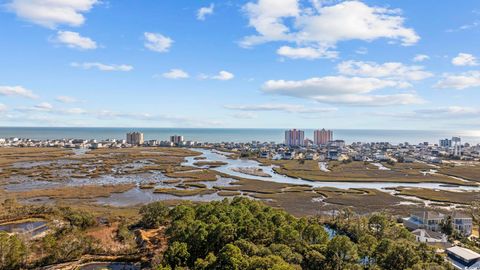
x=371, y=64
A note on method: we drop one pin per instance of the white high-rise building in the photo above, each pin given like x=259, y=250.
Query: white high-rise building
x=322, y=137
x=457, y=146
x=176, y=139
x=294, y=137
x=135, y=138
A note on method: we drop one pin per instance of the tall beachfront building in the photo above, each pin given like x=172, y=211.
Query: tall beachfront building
x=135, y=138
x=294, y=137
x=322, y=137
x=176, y=139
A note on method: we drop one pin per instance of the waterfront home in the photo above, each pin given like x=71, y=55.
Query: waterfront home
x=462, y=223
x=463, y=258
x=428, y=236
x=287, y=155
x=264, y=154
x=424, y=220
x=432, y=221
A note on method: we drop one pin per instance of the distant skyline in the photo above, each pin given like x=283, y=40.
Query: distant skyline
x=241, y=64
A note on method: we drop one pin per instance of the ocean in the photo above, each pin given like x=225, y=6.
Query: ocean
x=236, y=134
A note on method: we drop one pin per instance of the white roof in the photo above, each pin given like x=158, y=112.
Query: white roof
x=465, y=253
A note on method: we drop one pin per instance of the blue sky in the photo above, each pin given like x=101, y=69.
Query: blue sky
x=258, y=63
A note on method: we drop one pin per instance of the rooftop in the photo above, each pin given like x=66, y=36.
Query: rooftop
x=464, y=253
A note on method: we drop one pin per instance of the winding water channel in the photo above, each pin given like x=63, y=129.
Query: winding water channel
x=214, y=155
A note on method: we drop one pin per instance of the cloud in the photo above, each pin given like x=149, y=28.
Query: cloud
x=372, y=100
x=464, y=59
x=66, y=99
x=44, y=106
x=16, y=91
x=464, y=27
x=75, y=40
x=451, y=111
x=172, y=119
x=3, y=108
x=221, y=76
x=48, y=108
x=245, y=115
x=342, y=90
x=50, y=13
x=224, y=76
x=289, y=108
x=306, y=53
x=157, y=42
x=102, y=67
x=362, y=51
x=459, y=81
x=322, y=27
x=420, y=58
x=392, y=70
x=204, y=11
x=440, y=113
x=176, y=74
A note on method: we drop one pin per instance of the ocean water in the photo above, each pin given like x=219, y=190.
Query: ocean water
x=236, y=135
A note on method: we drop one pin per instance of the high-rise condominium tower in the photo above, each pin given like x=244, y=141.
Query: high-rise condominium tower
x=322, y=137
x=294, y=137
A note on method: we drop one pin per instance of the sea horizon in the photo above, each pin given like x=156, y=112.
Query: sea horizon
x=215, y=135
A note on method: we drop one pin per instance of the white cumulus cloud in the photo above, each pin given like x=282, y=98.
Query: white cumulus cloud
x=102, y=67
x=343, y=90
x=306, y=53
x=221, y=76
x=322, y=27
x=459, y=81
x=66, y=99
x=204, y=11
x=51, y=13
x=176, y=74
x=393, y=70
x=16, y=91
x=420, y=58
x=289, y=108
x=464, y=59
x=75, y=40
x=157, y=42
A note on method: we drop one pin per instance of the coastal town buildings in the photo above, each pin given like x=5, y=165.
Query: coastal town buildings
x=135, y=138
x=293, y=147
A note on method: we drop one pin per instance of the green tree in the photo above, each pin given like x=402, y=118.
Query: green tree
x=154, y=215
x=366, y=249
x=378, y=223
x=177, y=254
x=12, y=251
x=207, y=263
x=231, y=258
x=314, y=260
x=447, y=226
x=315, y=234
x=397, y=255
x=341, y=252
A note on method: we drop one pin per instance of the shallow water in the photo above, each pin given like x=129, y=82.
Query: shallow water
x=138, y=196
x=233, y=163
x=111, y=266
x=32, y=227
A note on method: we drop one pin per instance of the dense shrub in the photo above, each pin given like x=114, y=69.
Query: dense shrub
x=246, y=234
